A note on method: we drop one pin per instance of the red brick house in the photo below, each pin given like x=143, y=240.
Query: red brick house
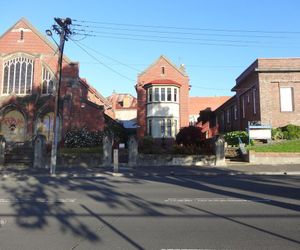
x=28, y=73
x=268, y=91
x=162, y=99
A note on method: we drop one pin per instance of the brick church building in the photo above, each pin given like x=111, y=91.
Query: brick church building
x=28, y=74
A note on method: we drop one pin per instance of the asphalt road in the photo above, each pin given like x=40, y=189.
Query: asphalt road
x=162, y=212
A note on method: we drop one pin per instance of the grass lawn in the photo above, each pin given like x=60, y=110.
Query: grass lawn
x=78, y=151
x=285, y=146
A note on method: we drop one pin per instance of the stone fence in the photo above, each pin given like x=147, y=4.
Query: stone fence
x=109, y=156
x=273, y=158
x=175, y=160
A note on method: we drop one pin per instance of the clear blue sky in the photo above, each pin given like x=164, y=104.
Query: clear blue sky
x=216, y=40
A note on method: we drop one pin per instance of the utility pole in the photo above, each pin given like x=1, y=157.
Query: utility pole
x=63, y=30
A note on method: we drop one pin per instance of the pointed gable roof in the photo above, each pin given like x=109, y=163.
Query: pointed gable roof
x=24, y=22
x=164, y=58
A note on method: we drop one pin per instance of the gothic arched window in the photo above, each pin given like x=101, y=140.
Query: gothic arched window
x=48, y=83
x=18, y=76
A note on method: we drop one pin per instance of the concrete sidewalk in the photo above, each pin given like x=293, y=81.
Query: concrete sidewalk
x=232, y=168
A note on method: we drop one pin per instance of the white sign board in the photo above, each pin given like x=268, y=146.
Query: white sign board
x=260, y=133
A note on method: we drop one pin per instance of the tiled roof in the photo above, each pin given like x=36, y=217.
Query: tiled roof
x=117, y=100
x=196, y=104
x=164, y=81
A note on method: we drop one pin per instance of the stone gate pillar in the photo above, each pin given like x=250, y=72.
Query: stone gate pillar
x=107, y=151
x=132, y=151
x=39, y=153
x=2, y=150
x=220, y=151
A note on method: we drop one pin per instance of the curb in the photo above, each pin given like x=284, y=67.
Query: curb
x=112, y=174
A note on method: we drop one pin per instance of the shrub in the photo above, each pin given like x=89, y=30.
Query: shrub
x=232, y=137
x=277, y=134
x=79, y=138
x=190, y=136
x=116, y=131
x=291, y=132
x=148, y=146
x=186, y=149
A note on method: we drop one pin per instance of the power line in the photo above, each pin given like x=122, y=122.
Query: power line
x=189, y=28
x=187, y=65
x=162, y=37
x=179, y=42
x=92, y=27
x=103, y=64
x=109, y=57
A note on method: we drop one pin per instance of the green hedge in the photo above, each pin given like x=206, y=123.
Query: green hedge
x=289, y=132
x=81, y=138
x=232, y=137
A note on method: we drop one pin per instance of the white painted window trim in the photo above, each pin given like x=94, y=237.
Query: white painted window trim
x=228, y=115
x=235, y=112
x=243, y=106
x=49, y=76
x=254, y=101
x=166, y=87
x=286, y=99
x=14, y=60
x=160, y=127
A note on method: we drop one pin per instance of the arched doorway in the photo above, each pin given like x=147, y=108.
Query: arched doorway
x=44, y=126
x=13, y=126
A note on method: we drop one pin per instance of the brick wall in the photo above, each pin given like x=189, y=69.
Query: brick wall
x=270, y=84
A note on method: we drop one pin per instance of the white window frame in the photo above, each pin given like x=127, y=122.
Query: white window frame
x=167, y=99
x=243, y=106
x=162, y=95
x=150, y=94
x=228, y=115
x=48, y=76
x=150, y=127
x=11, y=80
x=254, y=101
x=156, y=94
x=286, y=99
x=235, y=112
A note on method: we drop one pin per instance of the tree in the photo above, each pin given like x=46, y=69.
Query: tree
x=189, y=136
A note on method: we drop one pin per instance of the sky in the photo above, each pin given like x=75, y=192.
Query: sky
x=216, y=40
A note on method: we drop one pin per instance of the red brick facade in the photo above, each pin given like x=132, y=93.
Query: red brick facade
x=258, y=97
x=162, y=73
x=80, y=105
